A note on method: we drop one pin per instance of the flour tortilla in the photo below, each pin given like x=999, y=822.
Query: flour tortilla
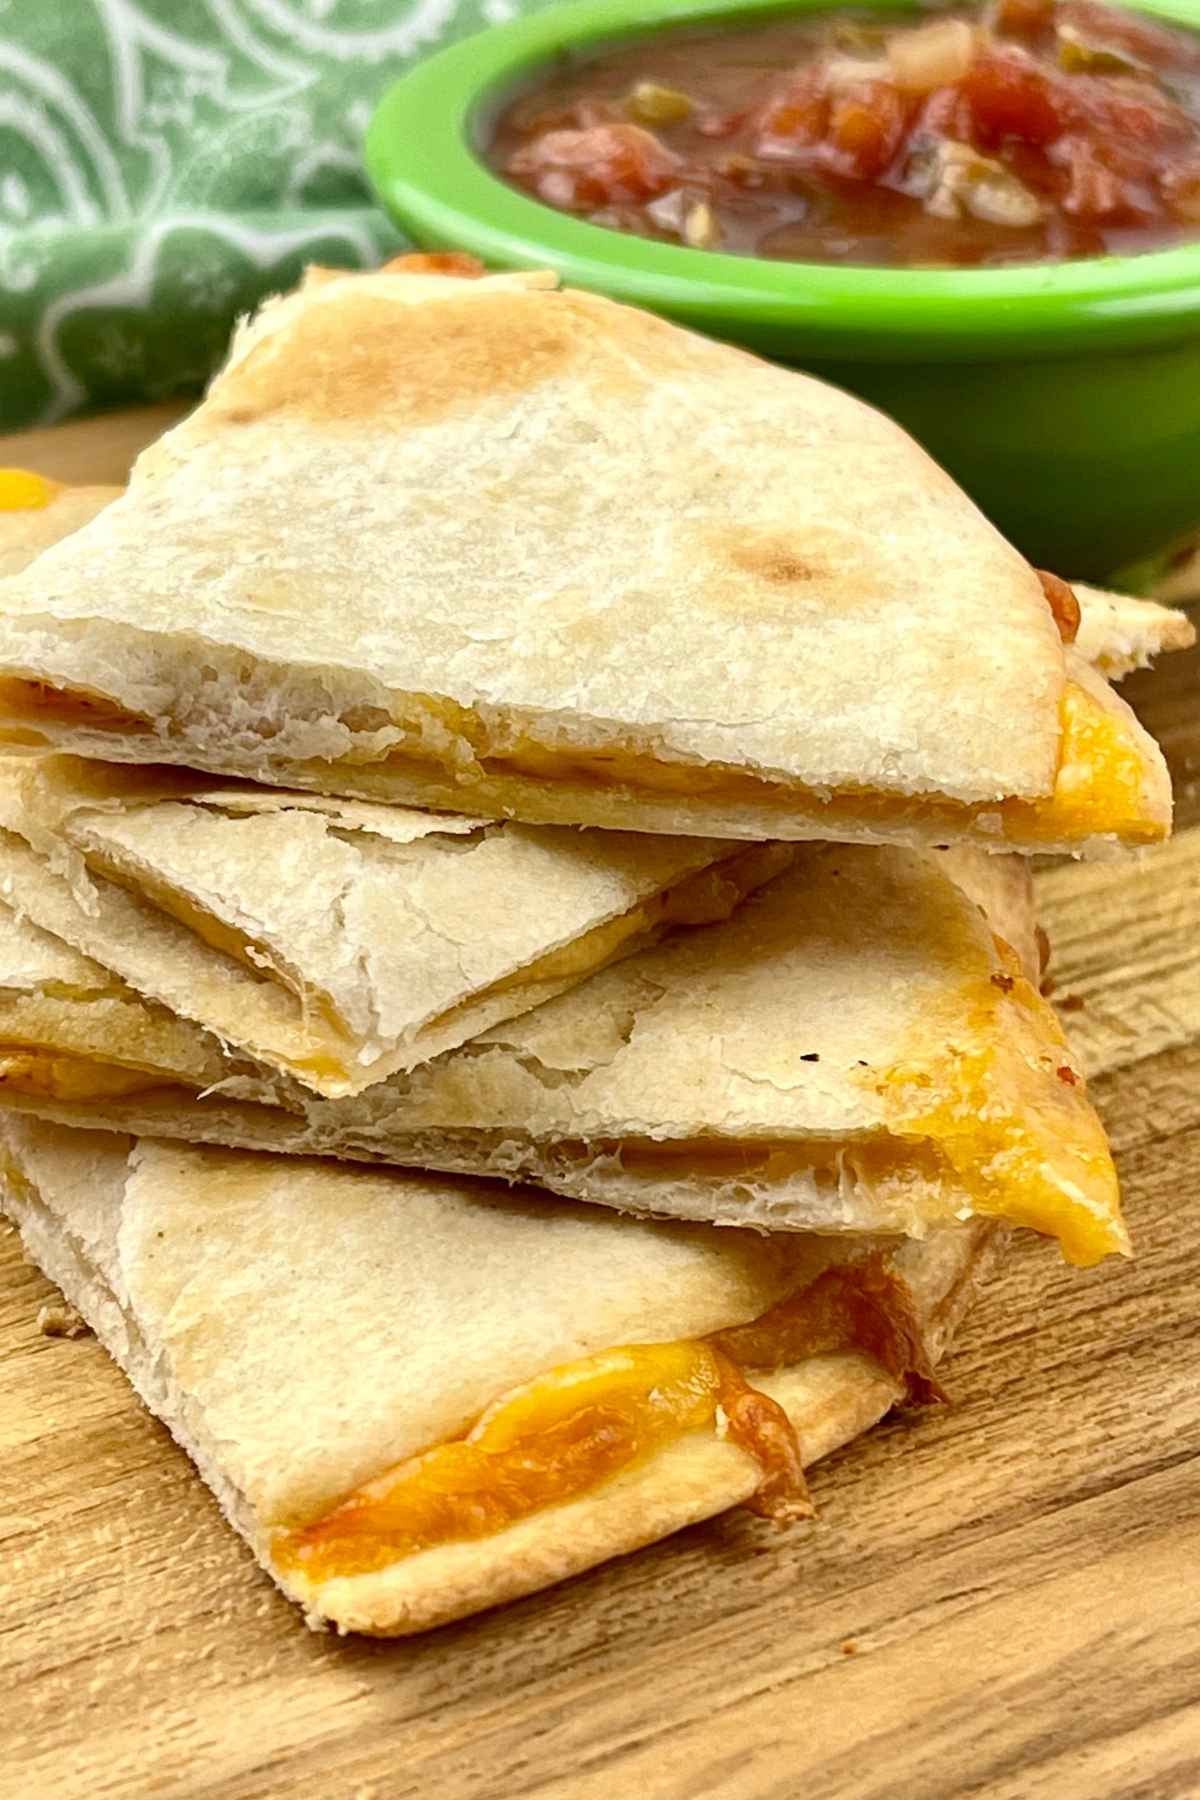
x=852, y=1051
x=1118, y=633
x=338, y=941
x=499, y=548
x=292, y=1378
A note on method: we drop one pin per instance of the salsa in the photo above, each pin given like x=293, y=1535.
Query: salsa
x=1028, y=131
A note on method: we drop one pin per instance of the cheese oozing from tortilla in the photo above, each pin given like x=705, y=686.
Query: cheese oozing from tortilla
x=555, y=1439
x=567, y=1431
x=998, y=1123
x=1010, y=1123
x=1099, y=786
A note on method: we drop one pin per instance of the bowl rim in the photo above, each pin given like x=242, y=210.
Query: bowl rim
x=423, y=165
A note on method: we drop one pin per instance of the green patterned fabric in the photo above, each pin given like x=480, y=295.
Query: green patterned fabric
x=166, y=163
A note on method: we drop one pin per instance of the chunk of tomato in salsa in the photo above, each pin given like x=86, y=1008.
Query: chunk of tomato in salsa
x=855, y=132
x=597, y=165
x=1009, y=97
x=1100, y=143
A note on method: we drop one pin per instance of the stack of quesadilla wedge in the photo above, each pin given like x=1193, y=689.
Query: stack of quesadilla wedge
x=502, y=738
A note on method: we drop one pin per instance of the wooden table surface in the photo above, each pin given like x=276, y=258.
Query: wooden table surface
x=998, y=1598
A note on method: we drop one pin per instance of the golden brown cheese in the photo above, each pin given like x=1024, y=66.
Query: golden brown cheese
x=1063, y=604
x=1098, y=787
x=558, y=1437
x=863, y=1303
x=1004, y=1111
x=564, y=1433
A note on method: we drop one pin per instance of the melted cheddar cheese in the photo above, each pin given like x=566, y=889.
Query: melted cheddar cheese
x=1100, y=786
x=1004, y=1117
x=40, y=702
x=564, y=1433
x=550, y=1441
x=994, y=1120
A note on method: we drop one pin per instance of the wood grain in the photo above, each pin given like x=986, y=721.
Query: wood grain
x=999, y=1598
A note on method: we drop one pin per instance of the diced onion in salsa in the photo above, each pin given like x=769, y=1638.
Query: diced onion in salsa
x=1029, y=130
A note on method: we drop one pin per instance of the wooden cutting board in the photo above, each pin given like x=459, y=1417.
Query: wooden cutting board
x=999, y=1598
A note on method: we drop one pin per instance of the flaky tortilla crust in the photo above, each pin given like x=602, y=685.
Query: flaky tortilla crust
x=1118, y=633
x=422, y=944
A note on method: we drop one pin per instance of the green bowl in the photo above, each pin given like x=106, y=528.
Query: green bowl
x=1065, y=397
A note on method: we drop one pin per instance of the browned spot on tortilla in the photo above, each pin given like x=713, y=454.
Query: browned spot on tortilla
x=369, y=357
x=365, y=356
x=774, y=576
x=771, y=558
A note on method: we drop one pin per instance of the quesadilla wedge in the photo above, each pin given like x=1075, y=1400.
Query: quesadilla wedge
x=339, y=940
x=485, y=1392
x=497, y=548
x=858, y=1049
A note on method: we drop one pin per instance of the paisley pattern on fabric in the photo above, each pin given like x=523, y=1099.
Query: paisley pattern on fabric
x=164, y=164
